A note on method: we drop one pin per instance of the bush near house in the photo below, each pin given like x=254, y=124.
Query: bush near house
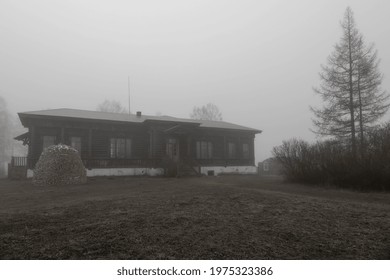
x=59, y=165
x=331, y=162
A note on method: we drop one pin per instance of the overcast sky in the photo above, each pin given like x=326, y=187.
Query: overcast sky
x=256, y=60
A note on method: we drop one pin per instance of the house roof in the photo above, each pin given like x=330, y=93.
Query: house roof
x=131, y=118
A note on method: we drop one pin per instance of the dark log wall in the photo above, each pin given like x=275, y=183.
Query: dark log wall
x=220, y=140
x=76, y=132
x=140, y=144
x=100, y=148
x=37, y=143
x=148, y=141
x=95, y=141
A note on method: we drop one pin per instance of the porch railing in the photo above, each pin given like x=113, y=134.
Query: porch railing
x=225, y=162
x=18, y=161
x=17, y=168
x=121, y=163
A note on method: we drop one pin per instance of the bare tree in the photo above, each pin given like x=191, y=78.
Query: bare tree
x=349, y=88
x=5, y=135
x=206, y=112
x=372, y=101
x=111, y=106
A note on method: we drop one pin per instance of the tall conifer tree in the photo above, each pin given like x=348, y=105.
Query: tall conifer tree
x=350, y=88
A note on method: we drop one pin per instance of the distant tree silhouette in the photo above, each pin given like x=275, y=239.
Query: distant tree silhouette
x=111, y=106
x=207, y=112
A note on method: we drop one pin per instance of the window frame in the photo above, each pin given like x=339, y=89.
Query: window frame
x=231, y=150
x=45, y=142
x=120, y=148
x=204, y=149
x=246, y=151
x=77, y=145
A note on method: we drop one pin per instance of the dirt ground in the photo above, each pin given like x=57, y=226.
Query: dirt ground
x=226, y=217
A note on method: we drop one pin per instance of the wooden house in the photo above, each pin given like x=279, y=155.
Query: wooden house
x=121, y=144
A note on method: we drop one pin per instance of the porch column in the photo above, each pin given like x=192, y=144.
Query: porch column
x=62, y=139
x=90, y=143
x=252, y=150
x=224, y=150
x=189, y=140
x=31, y=148
x=151, y=143
x=239, y=150
x=88, y=161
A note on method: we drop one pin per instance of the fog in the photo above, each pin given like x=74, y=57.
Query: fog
x=256, y=60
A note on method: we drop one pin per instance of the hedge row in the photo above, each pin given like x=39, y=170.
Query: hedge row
x=331, y=162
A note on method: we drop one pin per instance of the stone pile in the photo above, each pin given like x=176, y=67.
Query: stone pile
x=59, y=165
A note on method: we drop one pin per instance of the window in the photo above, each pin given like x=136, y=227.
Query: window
x=245, y=150
x=120, y=148
x=204, y=150
x=231, y=150
x=75, y=142
x=48, y=141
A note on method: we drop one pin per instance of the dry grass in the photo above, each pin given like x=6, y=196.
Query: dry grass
x=229, y=217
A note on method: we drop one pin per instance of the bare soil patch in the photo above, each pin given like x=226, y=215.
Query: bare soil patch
x=227, y=217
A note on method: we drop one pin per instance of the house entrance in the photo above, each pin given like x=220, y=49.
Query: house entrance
x=172, y=149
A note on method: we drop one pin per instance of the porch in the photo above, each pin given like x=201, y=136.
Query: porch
x=17, y=168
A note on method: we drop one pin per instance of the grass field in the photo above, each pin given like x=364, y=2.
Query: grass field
x=227, y=217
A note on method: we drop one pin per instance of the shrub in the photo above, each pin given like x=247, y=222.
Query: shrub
x=331, y=162
x=59, y=165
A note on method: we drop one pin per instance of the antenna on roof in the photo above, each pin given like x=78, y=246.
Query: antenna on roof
x=128, y=88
